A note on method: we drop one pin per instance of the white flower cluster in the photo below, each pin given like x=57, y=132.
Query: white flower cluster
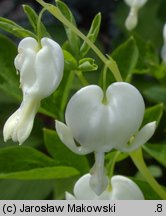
x=98, y=121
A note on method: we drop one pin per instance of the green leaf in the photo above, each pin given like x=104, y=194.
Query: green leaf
x=28, y=163
x=87, y=64
x=23, y=158
x=57, y=172
x=62, y=185
x=33, y=19
x=146, y=189
x=9, y=81
x=70, y=61
x=74, y=40
x=62, y=154
x=92, y=34
x=153, y=114
x=13, y=28
x=25, y=190
x=148, y=61
x=156, y=94
x=126, y=56
x=157, y=151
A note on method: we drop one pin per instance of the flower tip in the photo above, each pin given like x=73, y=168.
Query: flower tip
x=69, y=196
x=151, y=127
x=131, y=22
x=98, y=186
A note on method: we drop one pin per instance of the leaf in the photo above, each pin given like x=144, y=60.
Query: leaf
x=156, y=94
x=63, y=185
x=13, y=28
x=33, y=19
x=57, y=172
x=74, y=40
x=70, y=61
x=28, y=163
x=25, y=190
x=126, y=56
x=62, y=154
x=157, y=151
x=87, y=64
x=92, y=34
x=148, y=61
x=153, y=114
x=147, y=190
x=9, y=81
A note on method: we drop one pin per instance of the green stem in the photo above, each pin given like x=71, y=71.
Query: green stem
x=81, y=78
x=39, y=35
x=66, y=93
x=104, y=78
x=110, y=63
x=111, y=165
x=138, y=160
x=104, y=101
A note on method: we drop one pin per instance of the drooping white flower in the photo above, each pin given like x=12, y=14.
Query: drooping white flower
x=41, y=70
x=163, y=50
x=119, y=188
x=132, y=19
x=101, y=122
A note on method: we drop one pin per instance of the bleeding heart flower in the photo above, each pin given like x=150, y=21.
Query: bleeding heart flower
x=101, y=122
x=41, y=70
x=132, y=19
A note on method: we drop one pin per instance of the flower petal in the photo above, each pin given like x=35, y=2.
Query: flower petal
x=98, y=180
x=25, y=61
x=28, y=110
x=82, y=189
x=69, y=196
x=10, y=126
x=125, y=189
x=135, y=3
x=132, y=19
x=127, y=110
x=99, y=126
x=49, y=66
x=142, y=137
x=66, y=137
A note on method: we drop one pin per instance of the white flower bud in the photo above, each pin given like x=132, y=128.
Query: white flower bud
x=163, y=50
x=100, y=125
x=132, y=19
x=120, y=188
x=41, y=70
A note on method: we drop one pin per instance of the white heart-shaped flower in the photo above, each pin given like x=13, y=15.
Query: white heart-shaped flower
x=99, y=126
x=100, y=122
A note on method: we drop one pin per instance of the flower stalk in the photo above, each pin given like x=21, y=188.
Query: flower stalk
x=138, y=160
x=110, y=63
